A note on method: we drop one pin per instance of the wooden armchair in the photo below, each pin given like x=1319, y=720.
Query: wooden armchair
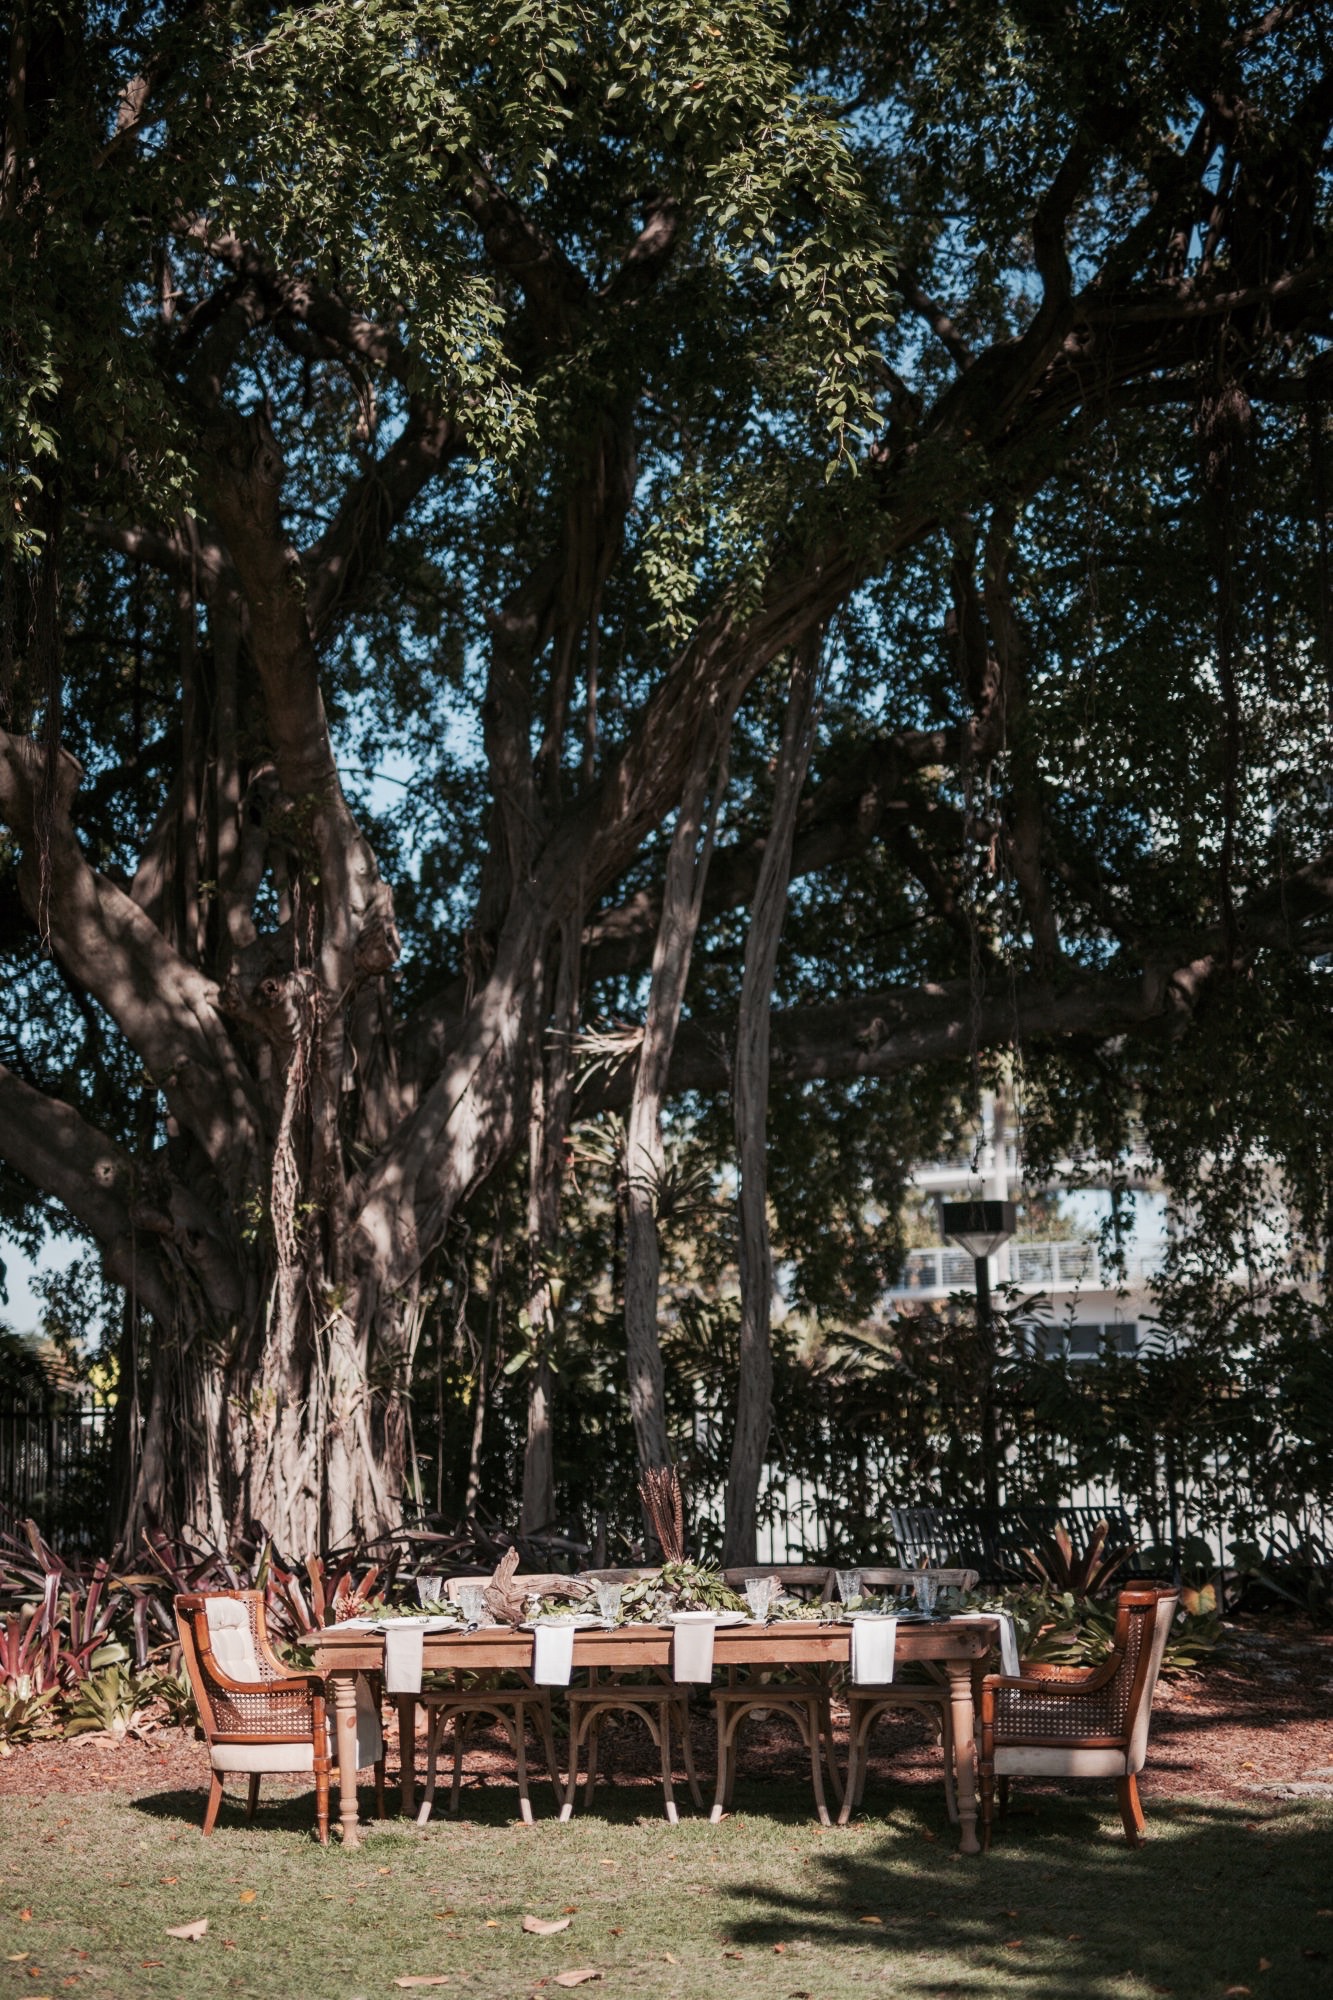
x=257, y=1714
x=1080, y=1722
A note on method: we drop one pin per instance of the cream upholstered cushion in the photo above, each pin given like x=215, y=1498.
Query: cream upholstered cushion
x=278, y=1757
x=262, y=1757
x=231, y=1639
x=1035, y=1761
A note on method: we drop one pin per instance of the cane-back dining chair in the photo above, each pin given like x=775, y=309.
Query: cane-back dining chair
x=511, y=1701
x=259, y=1716
x=799, y=1695
x=1080, y=1722
x=924, y=1688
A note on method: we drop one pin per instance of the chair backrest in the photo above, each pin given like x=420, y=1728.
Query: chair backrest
x=899, y=1579
x=224, y=1632
x=225, y=1629
x=800, y=1579
x=1152, y=1625
x=617, y=1575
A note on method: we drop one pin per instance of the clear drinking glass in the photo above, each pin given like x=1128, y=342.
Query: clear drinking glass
x=472, y=1602
x=759, y=1594
x=849, y=1584
x=430, y=1590
x=927, y=1591
x=608, y=1601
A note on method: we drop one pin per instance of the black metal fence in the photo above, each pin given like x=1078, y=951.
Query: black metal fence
x=53, y=1463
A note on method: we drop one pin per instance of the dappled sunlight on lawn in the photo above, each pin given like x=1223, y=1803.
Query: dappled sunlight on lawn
x=1061, y=1906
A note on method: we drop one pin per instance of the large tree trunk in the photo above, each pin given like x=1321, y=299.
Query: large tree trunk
x=552, y=1096
x=682, y=901
x=750, y=1107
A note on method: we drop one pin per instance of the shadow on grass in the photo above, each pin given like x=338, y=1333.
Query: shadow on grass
x=1061, y=1906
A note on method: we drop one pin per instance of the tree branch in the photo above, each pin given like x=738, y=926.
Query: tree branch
x=165, y=1008
x=73, y=1163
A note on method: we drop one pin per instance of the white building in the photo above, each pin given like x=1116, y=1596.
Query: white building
x=1089, y=1299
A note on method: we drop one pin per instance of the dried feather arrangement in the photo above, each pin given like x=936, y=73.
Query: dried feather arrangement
x=664, y=1504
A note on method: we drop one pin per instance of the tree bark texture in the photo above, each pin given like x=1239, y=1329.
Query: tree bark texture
x=750, y=1079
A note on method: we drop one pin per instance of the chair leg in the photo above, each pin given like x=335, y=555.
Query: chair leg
x=460, y=1745
x=664, y=1738
x=322, y=1803
x=252, y=1796
x=852, y=1782
x=986, y=1783
x=830, y=1755
x=379, y=1783
x=723, y=1758
x=1131, y=1809
x=434, y=1731
x=1003, y=1790
x=572, y=1768
x=687, y=1747
x=734, y=1755
x=946, y=1745
x=548, y=1751
x=815, y=1737
x=214, y=1802
x=593, y=1739
x=521, y=1767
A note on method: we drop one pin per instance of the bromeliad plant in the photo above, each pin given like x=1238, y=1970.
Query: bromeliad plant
x=1060, y=1567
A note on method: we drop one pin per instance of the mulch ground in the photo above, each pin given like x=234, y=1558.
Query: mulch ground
x=1258, y=1721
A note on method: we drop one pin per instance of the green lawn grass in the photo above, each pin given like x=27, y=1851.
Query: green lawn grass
x=767, y=1904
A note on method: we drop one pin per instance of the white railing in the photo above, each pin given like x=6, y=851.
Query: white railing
x=1064, y=1266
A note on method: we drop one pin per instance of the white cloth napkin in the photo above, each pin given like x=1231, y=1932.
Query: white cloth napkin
x=553, y=1653
x=404, y=1639
x=692, y=1645
x=1010, y=1663
x=874, y=1647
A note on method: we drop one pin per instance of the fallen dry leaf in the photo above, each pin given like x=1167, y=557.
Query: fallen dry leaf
x=579, y=1976
x=870, y=1920
x=25, y=1916
x=422, y=1979
x=1236, y=1992
x=190, y=1932
x=247, y=1895
x=1265, y=1965
x=169, y=1881
x=147, y=1964
x=546, y=1926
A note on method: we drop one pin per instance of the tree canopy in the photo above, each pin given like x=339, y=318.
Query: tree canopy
x=431, y=434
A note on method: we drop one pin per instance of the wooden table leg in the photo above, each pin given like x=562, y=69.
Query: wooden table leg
x=963, y=1715
x=407, y=1751
x=343, y=1689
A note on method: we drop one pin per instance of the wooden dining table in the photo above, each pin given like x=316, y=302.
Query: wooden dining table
x=958, y=1646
